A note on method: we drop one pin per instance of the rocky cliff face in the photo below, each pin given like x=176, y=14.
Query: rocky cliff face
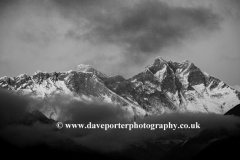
x=167, y=86
x=163, y=87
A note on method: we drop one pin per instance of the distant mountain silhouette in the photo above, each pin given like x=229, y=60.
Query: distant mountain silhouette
x=209, y=144
x=234, y=111
x=226, y=148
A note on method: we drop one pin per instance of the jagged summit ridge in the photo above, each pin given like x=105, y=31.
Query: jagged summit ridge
x=84, y=68
x=164, y=86
x=88, y=68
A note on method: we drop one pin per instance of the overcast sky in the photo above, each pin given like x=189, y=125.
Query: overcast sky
x=119, y=36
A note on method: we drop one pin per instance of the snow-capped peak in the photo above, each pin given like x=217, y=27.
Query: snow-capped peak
x=37, y=72
x=5, y=78
x=159, y=61
x=87, y=68
x=84, y=68
x=186, y=61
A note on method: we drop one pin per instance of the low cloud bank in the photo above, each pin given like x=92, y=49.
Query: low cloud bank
x=14, y=111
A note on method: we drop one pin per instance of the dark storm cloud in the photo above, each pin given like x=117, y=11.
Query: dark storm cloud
x=6, y=3
x=231, y=8
x=144, y=27
x=14, y=111
x=13, y=108
x=111, y=35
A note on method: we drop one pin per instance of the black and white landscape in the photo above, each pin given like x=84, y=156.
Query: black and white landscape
x=109, y=62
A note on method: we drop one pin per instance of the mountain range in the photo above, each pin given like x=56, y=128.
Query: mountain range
x=162, y=87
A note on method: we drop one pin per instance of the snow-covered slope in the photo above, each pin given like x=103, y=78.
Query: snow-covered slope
x=164, y=86
x=82, y=86
x=167, y=86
